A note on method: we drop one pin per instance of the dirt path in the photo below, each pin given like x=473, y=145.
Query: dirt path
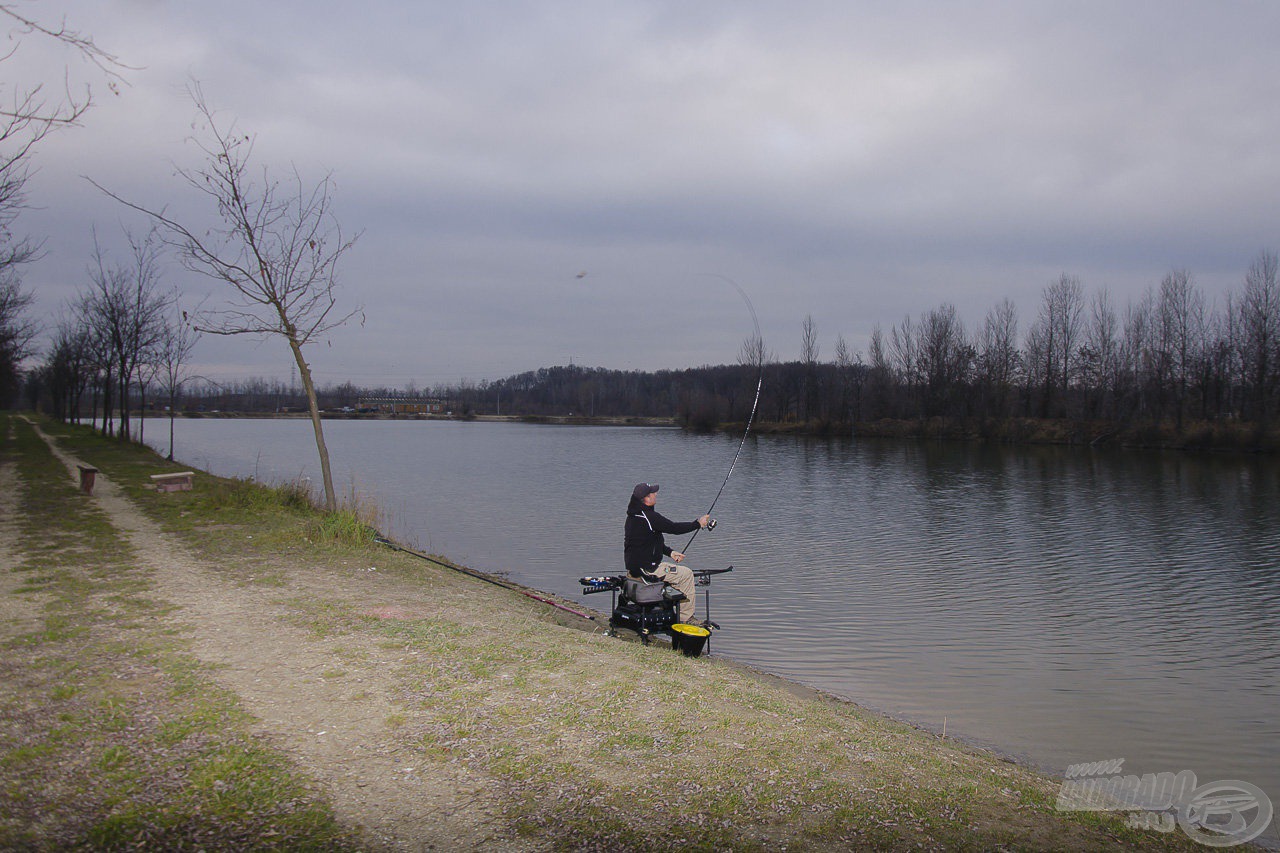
x=324, y=700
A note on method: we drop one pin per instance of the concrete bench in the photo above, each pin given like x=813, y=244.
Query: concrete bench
x=87, y=475
x=177, y=482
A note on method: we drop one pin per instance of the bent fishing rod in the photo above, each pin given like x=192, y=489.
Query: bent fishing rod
x=756, y=352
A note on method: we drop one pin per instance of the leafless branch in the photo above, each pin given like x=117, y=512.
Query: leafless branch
x=276, y=246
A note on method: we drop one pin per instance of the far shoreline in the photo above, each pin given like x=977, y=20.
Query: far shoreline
x=1018, y=432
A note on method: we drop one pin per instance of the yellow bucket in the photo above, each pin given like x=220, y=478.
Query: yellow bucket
x=688, y=639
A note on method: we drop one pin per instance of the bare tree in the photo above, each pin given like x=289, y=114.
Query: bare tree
x=999, y=357
x=126, y=304
x=1099, y=356
x=1217, y=368
x=71, y=362
x=150, y=304
x=850, y=379
x=1134, y=385
x=88, y=308
x=755, y=355
x=91, y=356
x=880, y=376
x=946, y=359
x=752, y=353
x=177, y=340
x=277, y=249
x=904, y=347
x=1259, y=312
x=809, y=358
x=1181, y=337
x=1051, y=343
x=28, y=114
x=17, y=331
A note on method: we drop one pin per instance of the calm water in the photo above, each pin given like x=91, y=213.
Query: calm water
x=1061, y=605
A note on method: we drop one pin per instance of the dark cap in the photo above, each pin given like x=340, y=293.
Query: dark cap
x=643, y=489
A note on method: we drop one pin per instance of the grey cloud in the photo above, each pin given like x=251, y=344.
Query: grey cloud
x=857, y=162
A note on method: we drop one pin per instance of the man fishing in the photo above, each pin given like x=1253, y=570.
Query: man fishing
x=644, y=547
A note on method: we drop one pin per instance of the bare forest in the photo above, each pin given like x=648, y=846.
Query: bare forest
x=1173, y=368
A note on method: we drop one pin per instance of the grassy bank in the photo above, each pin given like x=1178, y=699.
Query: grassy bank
x=117, y=733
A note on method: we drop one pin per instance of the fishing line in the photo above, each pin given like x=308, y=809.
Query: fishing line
x=757, y=351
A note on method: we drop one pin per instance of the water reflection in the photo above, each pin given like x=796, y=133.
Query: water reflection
x=1061, y=604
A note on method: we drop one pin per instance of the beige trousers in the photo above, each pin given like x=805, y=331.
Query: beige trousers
x=682, y=579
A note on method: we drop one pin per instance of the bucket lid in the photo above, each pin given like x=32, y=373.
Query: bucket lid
x=690, y=630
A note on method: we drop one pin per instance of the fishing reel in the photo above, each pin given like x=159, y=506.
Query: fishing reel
x=711, y=524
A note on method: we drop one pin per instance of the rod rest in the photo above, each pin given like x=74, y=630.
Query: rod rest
x=602, y=584
x=702, y=577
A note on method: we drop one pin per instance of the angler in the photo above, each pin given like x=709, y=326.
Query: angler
x=647, y=597
x=644, y=547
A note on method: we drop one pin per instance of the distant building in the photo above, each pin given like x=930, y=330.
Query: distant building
x=403, y=405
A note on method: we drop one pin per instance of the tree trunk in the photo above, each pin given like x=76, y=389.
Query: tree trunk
x=172, y=403
x=142, y=412
x=304, y=371
x=123, y=433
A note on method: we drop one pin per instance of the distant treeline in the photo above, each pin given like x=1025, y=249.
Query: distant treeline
x=1167, y=369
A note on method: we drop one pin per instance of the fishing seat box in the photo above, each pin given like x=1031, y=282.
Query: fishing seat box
x=640, y=592
x=646, y=606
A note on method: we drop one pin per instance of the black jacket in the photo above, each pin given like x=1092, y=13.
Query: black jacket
x=643, y=546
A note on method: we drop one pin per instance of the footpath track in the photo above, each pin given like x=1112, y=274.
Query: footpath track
x=324, y=701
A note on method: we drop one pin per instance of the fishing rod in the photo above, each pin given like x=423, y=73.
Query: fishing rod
x=381, y=540
x=756, y=352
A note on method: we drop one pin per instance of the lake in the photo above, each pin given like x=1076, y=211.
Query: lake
x=1060, y=605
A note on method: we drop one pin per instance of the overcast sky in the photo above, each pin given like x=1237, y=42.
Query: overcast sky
x=857, y=162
